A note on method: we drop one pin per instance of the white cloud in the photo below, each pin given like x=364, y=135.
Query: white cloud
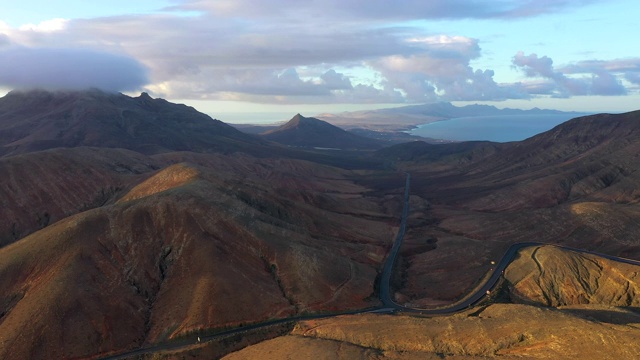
x=442, y=71
x=46, y=26
x=583, y=78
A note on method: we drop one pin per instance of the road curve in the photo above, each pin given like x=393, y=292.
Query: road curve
x=388, y=305
x=385, y=281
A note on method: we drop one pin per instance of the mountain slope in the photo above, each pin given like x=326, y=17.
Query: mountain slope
x=311, y=132
x=576, y=185
x=191, y=247
x=39, y=120
x=40, y=188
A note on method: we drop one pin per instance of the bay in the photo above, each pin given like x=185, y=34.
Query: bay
x=502, y=128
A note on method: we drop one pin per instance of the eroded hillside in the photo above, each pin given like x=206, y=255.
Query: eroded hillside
x=552, y=276
x=232, y=241
x=574, y=185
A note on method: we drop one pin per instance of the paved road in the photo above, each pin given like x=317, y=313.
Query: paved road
x=388, y=305
x=387, y=270
x=190, y=341
x=385, y=285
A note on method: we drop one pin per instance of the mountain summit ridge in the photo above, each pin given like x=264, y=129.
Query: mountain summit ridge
x=38, y=120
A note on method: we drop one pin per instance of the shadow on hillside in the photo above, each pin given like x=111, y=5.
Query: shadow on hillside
x=632, y=315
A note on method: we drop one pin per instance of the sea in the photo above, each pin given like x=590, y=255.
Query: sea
x=502, y=128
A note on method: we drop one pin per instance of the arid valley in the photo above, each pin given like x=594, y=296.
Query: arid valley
x=122, y=240
x=278, y=179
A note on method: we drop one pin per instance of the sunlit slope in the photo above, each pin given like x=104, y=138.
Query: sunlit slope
x=501, y=331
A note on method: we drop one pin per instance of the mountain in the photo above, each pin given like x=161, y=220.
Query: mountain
x=65, y=152
x=126, y=222
x=311, y=132
x=39, y=120
x=576, y=184
x=231, y=241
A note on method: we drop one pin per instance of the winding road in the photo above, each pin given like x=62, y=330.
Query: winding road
x=388, y=305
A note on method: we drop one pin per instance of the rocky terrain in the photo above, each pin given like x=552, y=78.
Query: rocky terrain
x=500, y=331
x=550, y=276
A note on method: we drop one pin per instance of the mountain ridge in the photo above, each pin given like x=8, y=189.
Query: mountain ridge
x=39, y=120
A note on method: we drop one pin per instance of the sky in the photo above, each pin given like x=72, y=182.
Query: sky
x=233, y=57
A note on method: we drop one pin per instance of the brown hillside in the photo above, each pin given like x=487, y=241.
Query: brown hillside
x=193, y=247
x=551, y=276
x=38, y=189
x=38, y=120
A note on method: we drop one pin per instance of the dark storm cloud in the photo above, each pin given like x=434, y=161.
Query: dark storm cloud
x=68, y=69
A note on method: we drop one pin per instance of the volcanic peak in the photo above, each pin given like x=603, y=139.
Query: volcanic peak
x=311, y=132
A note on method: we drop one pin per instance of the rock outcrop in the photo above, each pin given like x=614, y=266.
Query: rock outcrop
x=501, y=331
x=552, y=276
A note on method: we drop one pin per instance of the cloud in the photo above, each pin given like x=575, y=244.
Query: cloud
x=46, y=26
x=443, y=72
x=51, y=68
x=380, y=9
x=336, y=81
x=582, y=78
x=4, y=40
x=607, y=74
x=289, y=51
x=633, y=77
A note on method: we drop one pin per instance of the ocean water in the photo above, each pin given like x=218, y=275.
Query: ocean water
x=493, y=128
